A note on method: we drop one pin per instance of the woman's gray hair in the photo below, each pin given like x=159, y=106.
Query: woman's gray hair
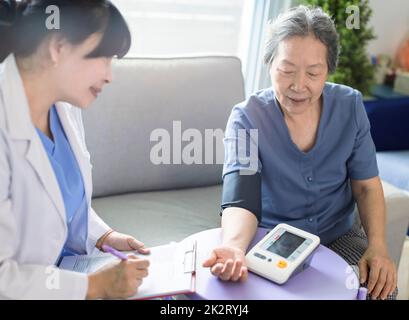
x=303, y=21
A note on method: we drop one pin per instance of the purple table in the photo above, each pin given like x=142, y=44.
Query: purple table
x=328, y=277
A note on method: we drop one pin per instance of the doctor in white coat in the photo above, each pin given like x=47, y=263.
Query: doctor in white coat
x=45, y=199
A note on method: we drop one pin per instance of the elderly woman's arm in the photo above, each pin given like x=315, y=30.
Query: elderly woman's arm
x=375, y=266
x=241, y=204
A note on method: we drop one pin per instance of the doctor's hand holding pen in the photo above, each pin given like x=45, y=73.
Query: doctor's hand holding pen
x=118, y=279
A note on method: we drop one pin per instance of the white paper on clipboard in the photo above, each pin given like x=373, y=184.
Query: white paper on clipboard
x=171, y=271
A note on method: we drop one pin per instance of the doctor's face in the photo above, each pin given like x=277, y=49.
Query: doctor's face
x=81, y=79
x=298, y=73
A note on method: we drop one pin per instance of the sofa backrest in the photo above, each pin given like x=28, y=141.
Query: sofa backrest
x=150, y=94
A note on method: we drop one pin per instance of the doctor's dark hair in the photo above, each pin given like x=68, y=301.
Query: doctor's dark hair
x=23, y=26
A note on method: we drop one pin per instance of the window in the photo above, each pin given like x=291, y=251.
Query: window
x=163, y=28
x=184, y=27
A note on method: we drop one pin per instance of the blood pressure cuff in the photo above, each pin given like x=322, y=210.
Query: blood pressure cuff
x=242, y=191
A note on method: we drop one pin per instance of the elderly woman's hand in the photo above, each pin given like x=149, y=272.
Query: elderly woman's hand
x=376, y=268
x=227, y=263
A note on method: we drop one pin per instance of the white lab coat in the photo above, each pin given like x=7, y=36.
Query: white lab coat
x=33, y=226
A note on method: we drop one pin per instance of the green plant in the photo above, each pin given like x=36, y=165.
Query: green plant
x=354, y=68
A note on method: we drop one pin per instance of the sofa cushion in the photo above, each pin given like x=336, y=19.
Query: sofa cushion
x=397, y=210
x=149, y=94
x=394, y=168
x=163, y=216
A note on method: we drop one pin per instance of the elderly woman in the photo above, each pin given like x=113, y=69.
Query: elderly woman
x=315, y=162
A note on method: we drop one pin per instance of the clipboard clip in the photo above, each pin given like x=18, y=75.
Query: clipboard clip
x=189, y=261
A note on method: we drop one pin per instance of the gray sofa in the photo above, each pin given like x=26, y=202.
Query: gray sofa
x=163, y=203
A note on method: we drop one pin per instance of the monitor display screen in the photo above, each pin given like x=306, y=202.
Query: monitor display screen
x=286, y=244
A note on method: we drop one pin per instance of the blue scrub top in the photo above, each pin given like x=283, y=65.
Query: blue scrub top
x=71, y=185
x=309, y=190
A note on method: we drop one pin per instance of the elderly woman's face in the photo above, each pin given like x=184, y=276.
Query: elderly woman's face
x=298, y=73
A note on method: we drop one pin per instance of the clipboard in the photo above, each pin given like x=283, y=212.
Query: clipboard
x=172, y=269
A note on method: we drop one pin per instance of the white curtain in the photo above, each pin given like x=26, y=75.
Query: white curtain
x=255, y=73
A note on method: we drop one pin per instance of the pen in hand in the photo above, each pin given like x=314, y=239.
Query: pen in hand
x=114, y=252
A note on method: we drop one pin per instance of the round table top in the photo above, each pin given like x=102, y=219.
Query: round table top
x=328, y=277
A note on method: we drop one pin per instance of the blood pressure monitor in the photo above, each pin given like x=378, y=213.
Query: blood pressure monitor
x=282, y=253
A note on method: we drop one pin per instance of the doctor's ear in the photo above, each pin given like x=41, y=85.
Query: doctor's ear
x=58, y=48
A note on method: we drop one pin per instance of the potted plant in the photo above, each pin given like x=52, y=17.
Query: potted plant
x=355, y=68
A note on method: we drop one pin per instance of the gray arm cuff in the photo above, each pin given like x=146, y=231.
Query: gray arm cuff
x=242, y=191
